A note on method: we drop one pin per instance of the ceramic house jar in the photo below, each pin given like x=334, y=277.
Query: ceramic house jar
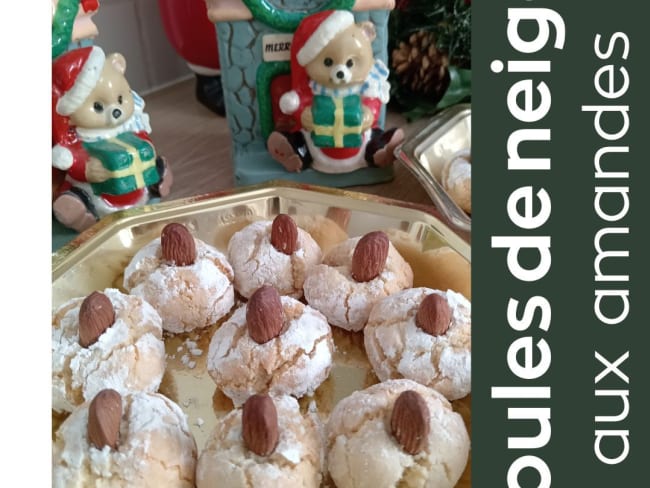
x=258, y=67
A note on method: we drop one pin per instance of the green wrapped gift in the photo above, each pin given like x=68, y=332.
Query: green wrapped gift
x=130, y=160
x=337, y=121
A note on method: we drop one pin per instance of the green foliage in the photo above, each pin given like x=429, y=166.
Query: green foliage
x=414, y=106
x=450, y=21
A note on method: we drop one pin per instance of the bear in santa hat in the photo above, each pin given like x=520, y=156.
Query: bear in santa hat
x=100, y=138
x=338, y=90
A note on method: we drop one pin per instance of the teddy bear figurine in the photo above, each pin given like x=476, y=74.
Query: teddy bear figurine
x=100, y=138
x=72, y=25
x=337, y=92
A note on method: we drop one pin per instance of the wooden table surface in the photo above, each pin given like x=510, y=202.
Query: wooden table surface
x=197, y=144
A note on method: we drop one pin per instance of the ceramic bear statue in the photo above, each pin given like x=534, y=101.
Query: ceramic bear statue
x=338, y=90
x=100, y=138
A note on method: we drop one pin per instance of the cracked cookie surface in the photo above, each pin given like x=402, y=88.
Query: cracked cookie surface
x=155, y=448
x=129, y=355
x=398, y=348
x=362, y=453
x=330, y=288
x=297, y=460
x=186, y=297
x=294, y=363
x=256, y=262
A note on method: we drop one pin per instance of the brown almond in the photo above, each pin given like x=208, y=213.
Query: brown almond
x=369, y=257
x=177, y=245
x=264, y=314
x=96, y=314
x=104, y=416
x=284, y=234
x=434, y=315
x=260, y=425
x=409, y=421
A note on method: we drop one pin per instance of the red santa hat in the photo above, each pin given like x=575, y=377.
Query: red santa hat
x=74, y=76
x=312, y=35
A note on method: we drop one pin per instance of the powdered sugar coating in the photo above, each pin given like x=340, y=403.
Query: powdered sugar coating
x=129, y=355
x=256, y=262
x=297, y=460
x=186, y=297
x=398, y=348
x=456, y=179
x=362, y=453
x=294, y=363
x=330, y=288
x=155, y=448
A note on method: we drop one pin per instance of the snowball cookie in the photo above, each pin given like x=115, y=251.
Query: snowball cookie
x=268, y=443
x=105, y=340
x=138, y=439
x=186, y=280
x=456, y=179
x=353, y=276
x=372, y=433
x=273, y=345
x=276, y=253
x=428, y=341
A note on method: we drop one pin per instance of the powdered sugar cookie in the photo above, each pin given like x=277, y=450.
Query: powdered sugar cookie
x=355, y=275
x=137, y=439
x=423, y=335
x=456, y=179
x=271, y=344
x=186, y=280
x=268, y=443
x=105, y=340
x=276, y=253
x=396, y=433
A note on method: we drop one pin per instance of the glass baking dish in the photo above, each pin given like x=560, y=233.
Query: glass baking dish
x=425, y=154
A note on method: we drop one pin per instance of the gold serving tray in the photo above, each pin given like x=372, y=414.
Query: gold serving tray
x=96, y=259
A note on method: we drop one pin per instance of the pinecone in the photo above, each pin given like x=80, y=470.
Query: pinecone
x=420, y=66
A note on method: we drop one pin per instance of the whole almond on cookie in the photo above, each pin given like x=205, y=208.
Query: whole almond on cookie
x=260, y=425
x=369, y=257
x=264, y=314
x=96, y=314
x=409, y=421
x=177, y=245
x=434, y=315
x=104, y=416
x=284, y=234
